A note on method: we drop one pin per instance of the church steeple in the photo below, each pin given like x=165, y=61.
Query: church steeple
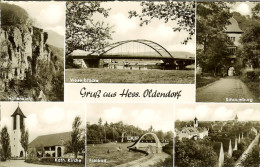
x=18, y=112
x=18, y=125
x=196, y=122
x=236, y=118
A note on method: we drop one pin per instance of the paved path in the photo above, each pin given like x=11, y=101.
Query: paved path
x=229, y=87
x=21, y=163
x=149, y=160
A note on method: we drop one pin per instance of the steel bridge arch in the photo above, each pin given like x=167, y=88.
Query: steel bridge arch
x=155, y=46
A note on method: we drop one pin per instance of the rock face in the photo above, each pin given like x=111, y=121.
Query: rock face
x=21, y=47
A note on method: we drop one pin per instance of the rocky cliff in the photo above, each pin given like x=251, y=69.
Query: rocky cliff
x=22, y=47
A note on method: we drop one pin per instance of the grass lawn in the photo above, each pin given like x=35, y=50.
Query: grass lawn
x=204, y=80
x=113, y=158
x=132, y=76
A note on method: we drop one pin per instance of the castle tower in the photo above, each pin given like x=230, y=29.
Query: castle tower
x=221, y=156
x=230, y=151
x=18, y=124
x=196, y=122
x=239, y=138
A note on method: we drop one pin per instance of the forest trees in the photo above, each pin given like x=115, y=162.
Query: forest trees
x=212, y=51
x=98, y=133
x=252, y=159
x=194, y=153
x=182, y=12
x=82, y=32
x=5, y=142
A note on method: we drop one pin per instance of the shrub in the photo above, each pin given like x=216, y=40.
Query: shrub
x=168, y=148
x=94, y=142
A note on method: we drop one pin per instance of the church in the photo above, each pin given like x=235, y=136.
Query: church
x=194, y=132
x=17, y=125
x=51, y=145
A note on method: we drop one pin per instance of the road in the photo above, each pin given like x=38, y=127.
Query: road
x=21, y=163
x=229, y=89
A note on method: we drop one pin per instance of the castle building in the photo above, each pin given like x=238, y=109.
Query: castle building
x=18, y=123
x=234, y=33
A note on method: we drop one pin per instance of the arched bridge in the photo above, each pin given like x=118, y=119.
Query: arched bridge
x=157, y=52
x=144, y=146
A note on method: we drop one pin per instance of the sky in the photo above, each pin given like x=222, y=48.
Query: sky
x=48, y=15
x=217, y=112
x=44, y=118
x=160, y=116
x=157, y=30
x=244, y=8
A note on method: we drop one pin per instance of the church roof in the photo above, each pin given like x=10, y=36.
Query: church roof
x=18, y=111
x=57, y=139
x=233, y=27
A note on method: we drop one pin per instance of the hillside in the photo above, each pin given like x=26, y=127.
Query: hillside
x=55, y=39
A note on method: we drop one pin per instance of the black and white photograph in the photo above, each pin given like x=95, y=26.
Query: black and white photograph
x=32, y=51
x=228, y=52
x=130, y=42
x=128, y=135
x=223, y=135
x=42, y=134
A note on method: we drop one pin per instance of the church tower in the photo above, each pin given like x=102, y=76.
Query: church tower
x=196, y=122
x=236, y=119
x=17, y=125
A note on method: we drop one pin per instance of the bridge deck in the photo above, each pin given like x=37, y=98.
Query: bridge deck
x=129, y=57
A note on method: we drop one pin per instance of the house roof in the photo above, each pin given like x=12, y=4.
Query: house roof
x=18, y=111
x=57, y=139
x=190, y=130
x=233, y=27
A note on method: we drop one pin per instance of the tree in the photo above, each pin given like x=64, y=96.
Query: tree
x=150, y=129
x=5, y=142
x=256, y=11
x=228, y=161
x=212, y=50
x=76, y=136
x=194, y=153
x=252, y=158
x=82, y=31
x=100, y=121
x=182, y=12
x=160, y=135
x=24, y=140
x=251, y=43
